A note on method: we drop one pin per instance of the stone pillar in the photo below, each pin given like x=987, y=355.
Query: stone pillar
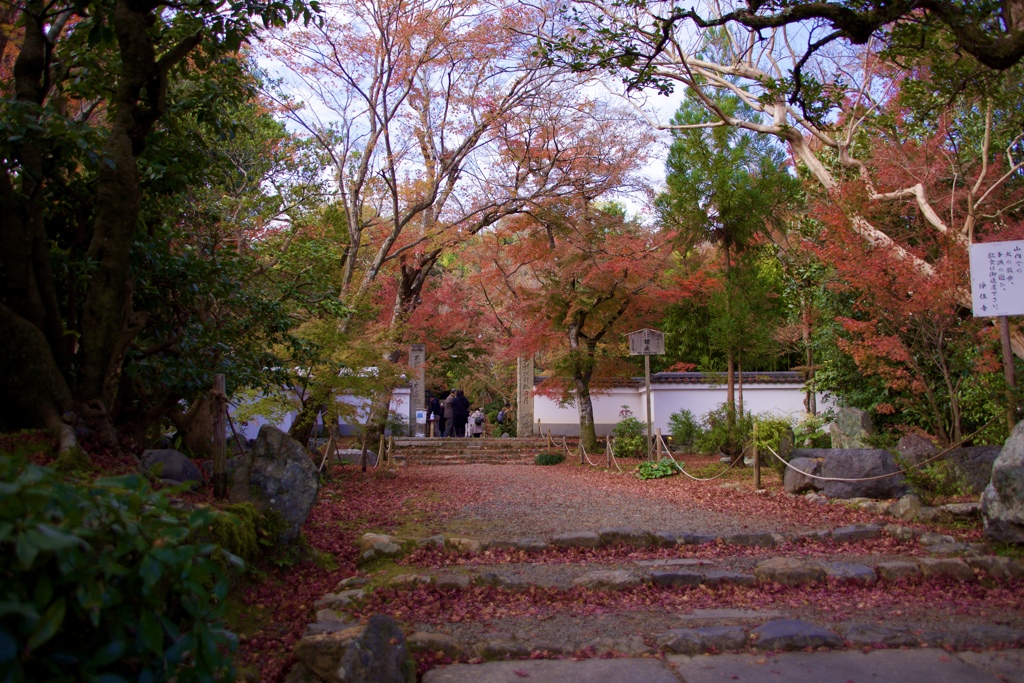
x=417, y=395
x=524, y=396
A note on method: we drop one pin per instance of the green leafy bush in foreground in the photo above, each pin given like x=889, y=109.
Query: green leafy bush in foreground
x=657, y=470
x=549, y=458
x=630, y=436
x=107, y=582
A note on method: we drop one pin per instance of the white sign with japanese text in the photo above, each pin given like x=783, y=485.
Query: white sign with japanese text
x=997, y=278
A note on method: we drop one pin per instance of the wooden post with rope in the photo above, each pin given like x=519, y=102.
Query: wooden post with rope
x=550, y=444
x=608, y=450
x=658, y=443
x=220, y=459
x=757, y=462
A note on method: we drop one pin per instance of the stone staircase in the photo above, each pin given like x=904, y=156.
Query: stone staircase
x=455, y=451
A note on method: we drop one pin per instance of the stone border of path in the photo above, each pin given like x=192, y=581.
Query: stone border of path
x=774, y=635
x=374, y=546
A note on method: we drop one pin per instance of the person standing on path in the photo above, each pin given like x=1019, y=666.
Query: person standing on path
x=476, y=423
x=460, y=413
x=436, y=417
x=449, y=414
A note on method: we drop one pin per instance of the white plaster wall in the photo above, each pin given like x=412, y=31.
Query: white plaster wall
x=565, y=420
x=776, y=399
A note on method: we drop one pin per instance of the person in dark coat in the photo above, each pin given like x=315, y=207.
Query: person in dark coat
x=437, y=415
x=460, y=412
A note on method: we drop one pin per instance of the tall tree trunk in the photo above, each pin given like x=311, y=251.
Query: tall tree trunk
x=585, y=407
x=811, y=402
x=139, y=100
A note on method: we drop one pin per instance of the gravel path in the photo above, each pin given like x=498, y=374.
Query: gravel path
x=538, y=502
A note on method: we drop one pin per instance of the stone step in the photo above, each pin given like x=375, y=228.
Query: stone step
x=930, y=665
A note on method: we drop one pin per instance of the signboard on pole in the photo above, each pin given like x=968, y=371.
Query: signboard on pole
x=997, y=278
x=646, y=342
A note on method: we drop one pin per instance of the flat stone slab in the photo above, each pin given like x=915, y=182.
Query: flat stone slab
x=614, y=580
x=905, y=666
x=1007, y=665
x=577, y=539
x=996, y=567
x=849, y=571
x=556, y=671
x=788, y=571
x=897, y=570
x=674, y=562
x=452, y=581
x=950, y=567
x=735, y=614
x=692, y=641
x=873, y=635
x=792, y=634
x=856, y=532
x=625, y=535
x=933, y=538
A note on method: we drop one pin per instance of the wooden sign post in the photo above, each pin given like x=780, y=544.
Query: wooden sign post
x=647, y=343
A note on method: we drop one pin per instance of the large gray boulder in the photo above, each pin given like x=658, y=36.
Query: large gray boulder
x=1002, y=504
x=795, y=482
x=376, y=653
x=975, y=463
x=915, y=449
x=862, y=463
x=277, y=475
x=167, y=463
x=851, y=428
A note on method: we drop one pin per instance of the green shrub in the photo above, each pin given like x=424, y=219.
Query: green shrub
x=549, y=458
x=684, y=428
x=630, y=436
x=724, y=435
x=657, y=470
x=811, y=432
x=769, y=433
x=106, y=581
x=936, y=480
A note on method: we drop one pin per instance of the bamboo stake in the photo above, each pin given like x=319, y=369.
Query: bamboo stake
x=220, y=460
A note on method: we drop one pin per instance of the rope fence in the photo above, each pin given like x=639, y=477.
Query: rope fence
x=935, y=457
x=668, y=452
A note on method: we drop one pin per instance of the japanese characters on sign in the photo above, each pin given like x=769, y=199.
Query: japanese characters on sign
x=997, y=278
x=646, y=342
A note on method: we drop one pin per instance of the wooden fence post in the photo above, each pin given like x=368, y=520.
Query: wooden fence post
x=757, y=462
x=220, y=459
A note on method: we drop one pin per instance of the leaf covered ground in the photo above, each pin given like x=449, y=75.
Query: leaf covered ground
x=274, y=610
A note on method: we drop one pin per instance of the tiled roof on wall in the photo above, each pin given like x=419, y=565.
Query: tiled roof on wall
x=777, y=377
